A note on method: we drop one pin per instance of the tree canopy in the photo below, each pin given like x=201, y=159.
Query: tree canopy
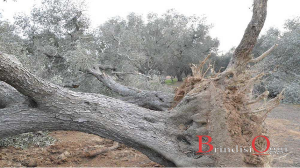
x=283, y=66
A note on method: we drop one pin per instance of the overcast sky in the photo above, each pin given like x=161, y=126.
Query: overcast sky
x=229, y=17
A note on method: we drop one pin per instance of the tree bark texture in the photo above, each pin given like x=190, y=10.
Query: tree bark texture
x=154, y=100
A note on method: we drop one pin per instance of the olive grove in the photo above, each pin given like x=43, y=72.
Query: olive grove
x=59, y=45
x=282, y=68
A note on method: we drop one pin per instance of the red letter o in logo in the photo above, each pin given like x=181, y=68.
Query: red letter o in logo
x=268, y=144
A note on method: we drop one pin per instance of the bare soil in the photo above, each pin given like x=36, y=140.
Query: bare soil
x=71, y=147
x=284, y=129
x=70, y=151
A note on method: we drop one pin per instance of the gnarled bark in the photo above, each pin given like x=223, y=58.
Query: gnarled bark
x=151, y=132
x=242, y=53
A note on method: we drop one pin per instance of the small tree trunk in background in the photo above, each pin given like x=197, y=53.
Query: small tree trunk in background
x=179, y=78
x=172, y=79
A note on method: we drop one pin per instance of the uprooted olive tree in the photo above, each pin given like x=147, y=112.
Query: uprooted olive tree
x=221, y=106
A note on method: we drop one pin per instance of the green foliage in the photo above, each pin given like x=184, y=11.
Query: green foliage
x=58, y=44
x=57, y=18
x=164, y=44
x=57, y=40
x=10, y=42
x=170, y=81
x=283, y=65
x=26, y=140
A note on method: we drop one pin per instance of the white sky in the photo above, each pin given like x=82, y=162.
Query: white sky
x=229, y=17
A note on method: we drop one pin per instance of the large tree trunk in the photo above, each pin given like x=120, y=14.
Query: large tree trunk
x=218, y=106
x=156, y=134
x=242, y=54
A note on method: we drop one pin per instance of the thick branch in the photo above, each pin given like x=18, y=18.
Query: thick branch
x=110, y=83
x=14, y=74
x=244, y=49
x=154, y=100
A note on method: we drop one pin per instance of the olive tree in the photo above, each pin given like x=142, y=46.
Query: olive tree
x=58, y=43
x=218, y=106
x=164, y=44
x=283, y=67
x=10, y=42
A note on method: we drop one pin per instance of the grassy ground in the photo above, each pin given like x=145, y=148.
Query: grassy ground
x=175, y=84
x=170, y=82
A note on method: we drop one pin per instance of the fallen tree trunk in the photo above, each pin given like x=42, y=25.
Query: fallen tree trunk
x=61, y=109
x=218, y=107
x=154, y=100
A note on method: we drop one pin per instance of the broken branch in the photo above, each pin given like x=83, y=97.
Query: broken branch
x=264, y=54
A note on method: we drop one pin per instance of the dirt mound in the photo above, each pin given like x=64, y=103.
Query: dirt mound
x=72, y=149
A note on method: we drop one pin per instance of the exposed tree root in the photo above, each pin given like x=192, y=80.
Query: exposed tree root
x=230, y=108
x=190, y=82
x=186, y=87
x=260, y=97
